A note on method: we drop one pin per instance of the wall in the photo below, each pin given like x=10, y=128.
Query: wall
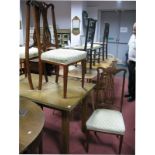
x=21, y=29
x=65, y=10
x=76, y=10
x=93, y=13
x=112, y=5
x=62, y=14
x=95, y=10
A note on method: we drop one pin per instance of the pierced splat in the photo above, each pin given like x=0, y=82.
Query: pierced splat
x=41, y=37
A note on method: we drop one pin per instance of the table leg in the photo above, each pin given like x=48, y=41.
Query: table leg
x=65, y=132
x=84, y=114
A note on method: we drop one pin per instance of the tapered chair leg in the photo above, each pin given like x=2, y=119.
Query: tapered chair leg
x=29, y=75
x=25, y=70
x=57, y=73
x=83, y=71
x=45, y=72
x=40, y=75
x=120, y=144
x=65, y=78
x=94, y=57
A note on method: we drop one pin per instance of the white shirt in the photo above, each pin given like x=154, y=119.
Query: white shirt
x=132, y=48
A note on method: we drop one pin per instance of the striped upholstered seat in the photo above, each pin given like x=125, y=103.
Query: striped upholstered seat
x=33, y=52
x=81, y=47
x=63, y=56
x=108, y=121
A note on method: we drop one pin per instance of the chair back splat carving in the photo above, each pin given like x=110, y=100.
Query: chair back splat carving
x=45, y=36
x=41, y=37
x=107, y=119
x=106, y=85
x=90, y=32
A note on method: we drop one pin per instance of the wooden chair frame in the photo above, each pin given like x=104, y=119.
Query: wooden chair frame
x=90, y=33
x=39, y=8
x=100, y=73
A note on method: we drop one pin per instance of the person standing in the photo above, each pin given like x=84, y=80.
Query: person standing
x=132, y=66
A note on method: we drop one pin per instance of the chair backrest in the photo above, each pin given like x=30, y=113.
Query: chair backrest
x=90, y=32
x=107, y=85
x=44, y=36
x=106, y=32
x=105, y=39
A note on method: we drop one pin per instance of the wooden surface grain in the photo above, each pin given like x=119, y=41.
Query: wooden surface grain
x=31, y=122
x=51, y=94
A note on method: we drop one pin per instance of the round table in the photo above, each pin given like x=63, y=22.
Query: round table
x=31, y=122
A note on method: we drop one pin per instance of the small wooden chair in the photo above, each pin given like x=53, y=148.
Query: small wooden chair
x=44, y=41
x=89, y=39
x=63, y=57
x=107, y=118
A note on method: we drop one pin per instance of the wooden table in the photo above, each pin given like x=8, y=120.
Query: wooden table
x=31, y=122
x=51, y=96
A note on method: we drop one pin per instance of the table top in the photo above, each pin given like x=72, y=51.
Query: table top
x=31, y=122
x=51, y=94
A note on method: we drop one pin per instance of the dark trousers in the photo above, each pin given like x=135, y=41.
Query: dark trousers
x=132, y=78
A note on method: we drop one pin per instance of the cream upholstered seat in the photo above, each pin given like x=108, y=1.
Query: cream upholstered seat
x=63, y=56
x=105, y=120
x=95, y=46
x=95, y=51
x=33, y=52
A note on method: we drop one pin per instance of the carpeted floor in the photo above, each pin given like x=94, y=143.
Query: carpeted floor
x=100, y=144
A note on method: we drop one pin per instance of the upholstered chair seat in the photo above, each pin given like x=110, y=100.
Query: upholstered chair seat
x=108, y=121
x=107, y=117
x=33, y=52
x=80, y=47
x=63, y=56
